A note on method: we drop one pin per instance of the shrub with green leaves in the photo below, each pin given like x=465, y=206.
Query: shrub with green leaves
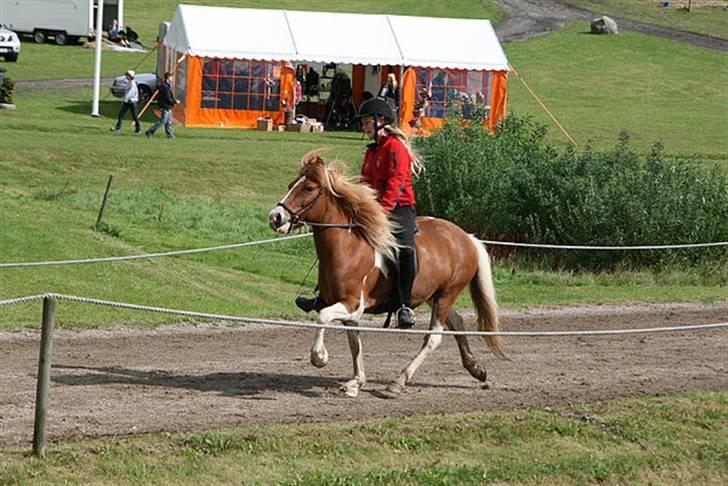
x=7, y=91
x=514, y=185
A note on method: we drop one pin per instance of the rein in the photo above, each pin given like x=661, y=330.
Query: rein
x=329, y=225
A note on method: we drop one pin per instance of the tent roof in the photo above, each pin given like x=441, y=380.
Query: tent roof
x=285, y=35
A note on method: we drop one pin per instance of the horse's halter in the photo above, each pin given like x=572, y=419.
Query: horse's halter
x=297, y=216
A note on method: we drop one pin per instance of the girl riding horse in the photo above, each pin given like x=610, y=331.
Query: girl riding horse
x=389, y=163
x=353, y=237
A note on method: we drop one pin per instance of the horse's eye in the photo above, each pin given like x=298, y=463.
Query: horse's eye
x=308, y=189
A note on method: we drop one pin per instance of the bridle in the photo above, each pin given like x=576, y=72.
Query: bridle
x=297, y=216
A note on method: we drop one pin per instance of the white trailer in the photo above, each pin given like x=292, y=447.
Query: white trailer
x=63, y=20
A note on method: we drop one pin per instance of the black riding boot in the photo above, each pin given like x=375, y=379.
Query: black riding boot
x=307, y=305
x=405, y=279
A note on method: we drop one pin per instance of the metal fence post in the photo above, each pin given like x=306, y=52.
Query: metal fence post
x=44, y=375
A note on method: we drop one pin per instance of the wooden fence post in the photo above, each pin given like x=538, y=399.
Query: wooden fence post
x=103, y=204
x=44, y=375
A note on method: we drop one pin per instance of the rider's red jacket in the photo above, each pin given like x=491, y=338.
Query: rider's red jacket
x=387, y=169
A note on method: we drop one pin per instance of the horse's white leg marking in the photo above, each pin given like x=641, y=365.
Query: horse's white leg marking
x=319, y=355
x=336, y=312
x=351, y=388
x=431, y=342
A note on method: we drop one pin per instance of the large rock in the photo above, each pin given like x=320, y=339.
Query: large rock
x=604, y=25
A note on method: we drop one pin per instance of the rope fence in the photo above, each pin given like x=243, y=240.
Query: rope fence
x=153, y=255
x=333, y=327
x=606, y=248
x=303, y=235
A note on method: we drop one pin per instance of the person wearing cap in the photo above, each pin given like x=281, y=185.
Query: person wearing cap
x=165, y=101
x=129, y=103
x=389, y=163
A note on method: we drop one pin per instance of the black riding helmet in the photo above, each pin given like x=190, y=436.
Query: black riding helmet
x=376, y=107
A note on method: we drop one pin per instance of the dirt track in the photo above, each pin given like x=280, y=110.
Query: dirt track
x=189, y=377
x=529, y=18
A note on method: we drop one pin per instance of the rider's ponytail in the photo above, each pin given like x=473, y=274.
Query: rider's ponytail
x=418, y=164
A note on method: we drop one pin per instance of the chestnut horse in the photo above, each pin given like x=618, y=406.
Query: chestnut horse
x=353, y=238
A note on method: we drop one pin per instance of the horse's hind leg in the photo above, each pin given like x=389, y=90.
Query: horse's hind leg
x=431, y=342
x=351, y=388
x=455, y=322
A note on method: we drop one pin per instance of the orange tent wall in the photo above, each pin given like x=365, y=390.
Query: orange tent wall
x=196, y=116
x=409, y=96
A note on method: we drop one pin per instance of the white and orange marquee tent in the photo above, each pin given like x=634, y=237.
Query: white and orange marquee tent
x=234, y=65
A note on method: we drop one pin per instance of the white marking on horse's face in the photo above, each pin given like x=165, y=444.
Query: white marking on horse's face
x=279, y=219
x=299, y=181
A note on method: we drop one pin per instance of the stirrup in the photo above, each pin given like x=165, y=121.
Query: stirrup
x=405, y=318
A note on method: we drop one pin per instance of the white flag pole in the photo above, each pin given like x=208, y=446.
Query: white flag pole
x=97, y=57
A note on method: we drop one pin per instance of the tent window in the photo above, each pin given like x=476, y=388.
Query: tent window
x=241, y=85
x=451, y=90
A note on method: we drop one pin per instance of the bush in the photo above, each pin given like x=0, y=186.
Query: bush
x=7, y=91
x=514, y=185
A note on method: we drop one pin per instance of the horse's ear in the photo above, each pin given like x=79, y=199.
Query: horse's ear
x=313, y=158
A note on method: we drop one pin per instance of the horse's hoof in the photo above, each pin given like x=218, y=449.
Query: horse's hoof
x=479, y=373
x=320, y=359
x=395, y=388
x=351, y=389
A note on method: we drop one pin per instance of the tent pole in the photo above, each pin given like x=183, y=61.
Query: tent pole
x=538, y=100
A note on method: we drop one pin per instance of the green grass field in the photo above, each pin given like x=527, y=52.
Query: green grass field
x=206, y=188
x=705, y=18
x=214, y=187
x=656, y=89
x=649, y=440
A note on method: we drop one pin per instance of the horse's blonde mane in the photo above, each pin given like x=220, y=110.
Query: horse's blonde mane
x=358, y=202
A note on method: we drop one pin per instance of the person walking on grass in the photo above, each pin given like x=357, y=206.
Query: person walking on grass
x=129, y=103
x=166, y=101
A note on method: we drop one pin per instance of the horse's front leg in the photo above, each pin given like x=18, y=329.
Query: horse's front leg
x=319, y=355
x=351, y=388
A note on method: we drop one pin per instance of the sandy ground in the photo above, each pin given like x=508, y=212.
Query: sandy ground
x=195, y=377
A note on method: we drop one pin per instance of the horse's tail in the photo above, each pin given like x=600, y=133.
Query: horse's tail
x=483, y=294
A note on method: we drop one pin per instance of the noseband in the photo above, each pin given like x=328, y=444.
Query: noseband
x=296, y=216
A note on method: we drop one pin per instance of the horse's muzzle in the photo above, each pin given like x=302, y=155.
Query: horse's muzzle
x=279, y=220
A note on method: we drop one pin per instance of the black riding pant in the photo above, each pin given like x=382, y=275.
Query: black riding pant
x=404, y=218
